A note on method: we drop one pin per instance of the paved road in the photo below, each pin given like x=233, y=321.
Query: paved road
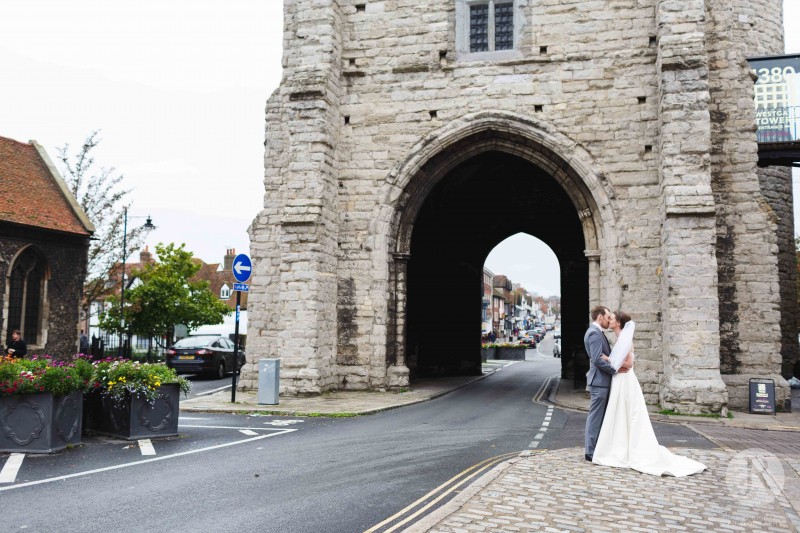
x=203, y=384
x=248, y=473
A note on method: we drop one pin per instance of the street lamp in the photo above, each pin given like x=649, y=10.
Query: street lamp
x=148, y=225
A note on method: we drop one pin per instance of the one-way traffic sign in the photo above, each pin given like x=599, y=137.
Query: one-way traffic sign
x=242, y=268
x=243, y=287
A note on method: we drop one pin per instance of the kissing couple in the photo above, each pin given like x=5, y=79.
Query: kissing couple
x=618, y=428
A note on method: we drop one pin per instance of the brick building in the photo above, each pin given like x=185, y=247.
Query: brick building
x=44, y=243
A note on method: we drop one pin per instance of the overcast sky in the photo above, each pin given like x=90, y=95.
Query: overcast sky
x=178, y=90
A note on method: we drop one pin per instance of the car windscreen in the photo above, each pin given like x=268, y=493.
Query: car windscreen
x=195, y=342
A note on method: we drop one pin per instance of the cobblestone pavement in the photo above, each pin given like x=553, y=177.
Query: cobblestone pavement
x=777, y=442
x=557, y=490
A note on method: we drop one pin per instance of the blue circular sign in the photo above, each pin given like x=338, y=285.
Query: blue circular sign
x=242, y=268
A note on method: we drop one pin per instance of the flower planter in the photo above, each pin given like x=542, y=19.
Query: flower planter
x=40, y=423
x=488, y=353
x=134, y=418
x=514, y=354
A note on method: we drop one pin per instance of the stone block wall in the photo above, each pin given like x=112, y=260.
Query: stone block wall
x=751, y=208
x=632, y=93
x=65, y=260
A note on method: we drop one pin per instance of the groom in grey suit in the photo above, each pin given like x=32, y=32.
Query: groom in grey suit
x=599, y=376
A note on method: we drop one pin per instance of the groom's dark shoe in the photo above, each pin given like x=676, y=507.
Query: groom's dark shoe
x=588, y=457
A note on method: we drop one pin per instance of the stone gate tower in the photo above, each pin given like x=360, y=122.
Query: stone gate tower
x=409, y=137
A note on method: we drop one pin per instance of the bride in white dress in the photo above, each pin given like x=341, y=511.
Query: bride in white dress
x=626, y=437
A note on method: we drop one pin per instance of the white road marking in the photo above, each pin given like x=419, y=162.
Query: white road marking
x=10, y=469
x=283, y=422
x=226, y=427
x=143, y=461
x=543, y=429
x=146, y=447
x=248, y=432
x=212, y=391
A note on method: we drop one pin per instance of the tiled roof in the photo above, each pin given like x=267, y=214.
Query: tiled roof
x=210, y=272
x=31, y=195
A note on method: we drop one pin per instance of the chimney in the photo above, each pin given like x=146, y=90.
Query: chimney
x=227, y=264
x=145, y=256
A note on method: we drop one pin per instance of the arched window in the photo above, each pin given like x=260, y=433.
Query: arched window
x=26, y=290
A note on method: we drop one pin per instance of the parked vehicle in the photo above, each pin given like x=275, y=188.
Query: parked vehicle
x=527, y=340
x=557, y=347
x=557, y=333
x=208, y=354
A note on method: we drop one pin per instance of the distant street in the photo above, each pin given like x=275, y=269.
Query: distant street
x=265, y=473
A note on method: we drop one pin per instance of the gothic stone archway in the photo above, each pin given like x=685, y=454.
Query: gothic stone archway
x=486, y=185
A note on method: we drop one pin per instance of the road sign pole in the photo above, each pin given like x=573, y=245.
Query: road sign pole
x=242, y=267
x=236, y=348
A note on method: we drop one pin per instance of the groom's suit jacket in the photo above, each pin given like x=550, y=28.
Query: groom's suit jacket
x=600, y=371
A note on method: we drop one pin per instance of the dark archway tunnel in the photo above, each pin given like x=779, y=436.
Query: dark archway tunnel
x=475, y=206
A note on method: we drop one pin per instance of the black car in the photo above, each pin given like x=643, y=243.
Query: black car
x=208, y=354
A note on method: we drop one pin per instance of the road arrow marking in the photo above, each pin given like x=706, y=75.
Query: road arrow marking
x=239, y=268
x=9, y=472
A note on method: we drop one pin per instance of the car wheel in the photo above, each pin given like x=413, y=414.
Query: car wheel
x=221, y=370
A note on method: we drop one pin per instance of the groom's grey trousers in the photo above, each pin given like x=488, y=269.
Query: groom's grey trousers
x=597, y=410
x=599, y=380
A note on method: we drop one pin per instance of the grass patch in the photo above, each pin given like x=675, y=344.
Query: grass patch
x=701, y=415
x=298, y=414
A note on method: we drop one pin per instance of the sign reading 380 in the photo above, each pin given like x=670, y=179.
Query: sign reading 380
x=777, y=98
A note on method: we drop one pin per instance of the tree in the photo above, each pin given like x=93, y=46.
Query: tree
x=165, y=296
x=100, y=196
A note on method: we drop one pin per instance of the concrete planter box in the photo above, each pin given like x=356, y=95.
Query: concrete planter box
x=488, y=353
x=134, y=418
x=40, y=423
x=514, y=354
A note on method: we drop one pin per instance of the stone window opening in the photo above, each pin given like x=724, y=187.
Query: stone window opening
x=487, y=28
x=27, y=287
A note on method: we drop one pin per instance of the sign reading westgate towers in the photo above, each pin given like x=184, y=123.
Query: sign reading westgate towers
x=777, y=98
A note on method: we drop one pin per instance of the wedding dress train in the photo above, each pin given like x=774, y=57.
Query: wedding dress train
x=627, y=439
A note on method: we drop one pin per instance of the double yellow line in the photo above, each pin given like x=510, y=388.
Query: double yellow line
x=544, y=388
x=450, y=486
